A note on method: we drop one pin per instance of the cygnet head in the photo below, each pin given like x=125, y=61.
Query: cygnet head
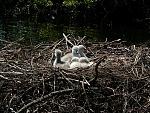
x=81, y=50
x=75, y=51
x=83, y=60
x=58, y=53
x=75, y=59
x=81, y=47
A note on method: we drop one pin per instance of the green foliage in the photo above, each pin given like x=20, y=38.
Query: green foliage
x=74, y=2
x=47, y=31
x=70, y=2
x=43, y=2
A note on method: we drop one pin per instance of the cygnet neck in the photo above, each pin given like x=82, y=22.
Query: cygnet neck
x=81, y=51
x=82, y=54
x=75, y=54
x=58, y=60
x=58, y=56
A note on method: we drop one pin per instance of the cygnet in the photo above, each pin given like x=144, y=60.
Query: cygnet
x=69, y=56
x=58, y=62
x=75, y=63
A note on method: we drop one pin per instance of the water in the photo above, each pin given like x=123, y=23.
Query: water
x=34, y=32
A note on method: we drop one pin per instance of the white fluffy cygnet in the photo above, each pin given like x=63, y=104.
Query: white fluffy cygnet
x=84, y=62
x=81, y=52
x=58, y=62
x=74, y=63
x=68, y=57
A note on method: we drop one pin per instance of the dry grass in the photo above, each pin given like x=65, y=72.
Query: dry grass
x=118, y=83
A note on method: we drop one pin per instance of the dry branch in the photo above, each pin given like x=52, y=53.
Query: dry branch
x=42, y=98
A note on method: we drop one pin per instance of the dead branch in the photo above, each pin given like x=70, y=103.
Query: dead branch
x=42, y=98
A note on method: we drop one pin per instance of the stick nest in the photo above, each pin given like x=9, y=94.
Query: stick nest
x=119, y=82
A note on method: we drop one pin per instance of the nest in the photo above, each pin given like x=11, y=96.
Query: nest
x=118, y=82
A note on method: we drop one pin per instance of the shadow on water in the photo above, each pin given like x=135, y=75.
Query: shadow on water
x=34, y=32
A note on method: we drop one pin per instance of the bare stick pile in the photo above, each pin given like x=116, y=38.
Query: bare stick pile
x=118, y=82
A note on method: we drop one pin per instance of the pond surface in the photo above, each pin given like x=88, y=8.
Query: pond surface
x=34, y=32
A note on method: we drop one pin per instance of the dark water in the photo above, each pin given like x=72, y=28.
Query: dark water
x=35, y=33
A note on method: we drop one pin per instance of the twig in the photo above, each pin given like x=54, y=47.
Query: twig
x=137, y=58
x=85, y=80
x=32, y=62
x=43, y=83
x=54, y=46
x=138, y=103
x=42, y=98
x=136, y=71
x=12, y=110
x=15, y=42
x=92, y=52
x=17, y=67
x=139, y=88
x=13, y=97
x=125, y=93
x=74, y=80
x=5, y=78
x=66, y=78
x=67, y=40
x=38, y=45
x=86, y=97
x=102, y=59
x=81, y=40
x=108, y=43
x=54, y=82
x=12, y=73
x=4, y=41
